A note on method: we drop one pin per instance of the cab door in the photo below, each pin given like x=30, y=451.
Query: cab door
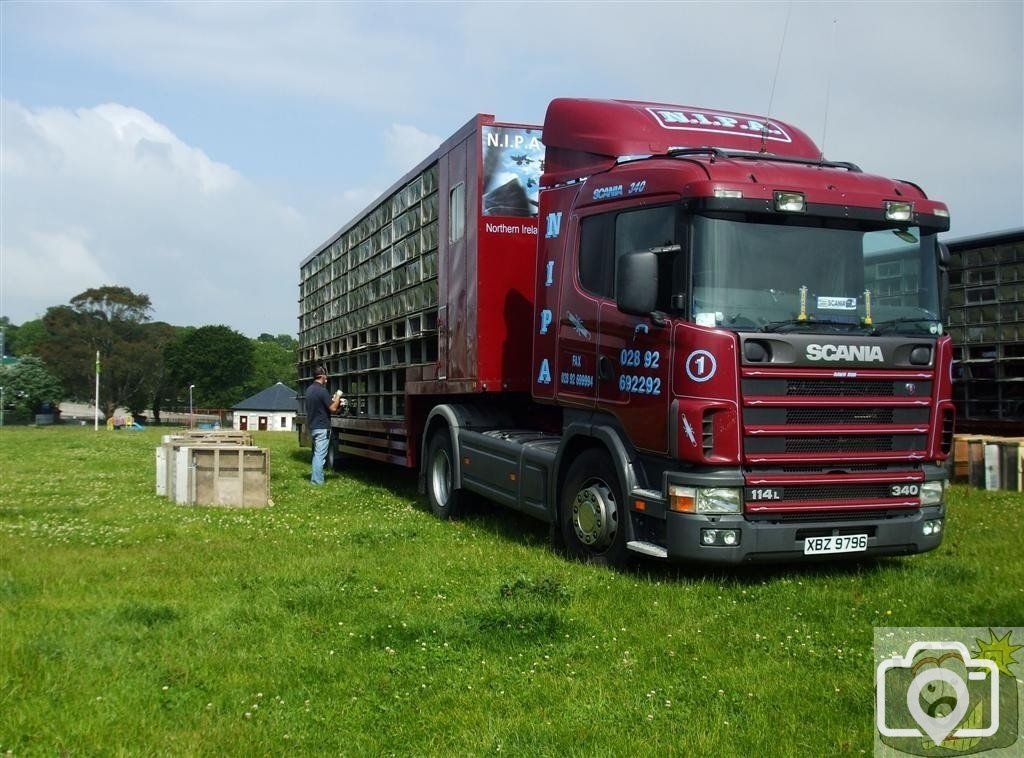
x=576, y=323
x=635, y=354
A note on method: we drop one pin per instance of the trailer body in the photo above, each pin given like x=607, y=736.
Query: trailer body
x=670, y=331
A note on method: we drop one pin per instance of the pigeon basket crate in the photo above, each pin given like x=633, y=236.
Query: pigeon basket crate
x=167, y=454
x=230, y=476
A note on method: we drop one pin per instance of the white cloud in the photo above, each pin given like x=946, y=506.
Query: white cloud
x=108, y=195
x=406, y=146
x=53, y=264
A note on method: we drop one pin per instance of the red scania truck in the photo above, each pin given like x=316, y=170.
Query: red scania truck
x=667, y=331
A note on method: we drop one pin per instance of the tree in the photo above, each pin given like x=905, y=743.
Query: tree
x=286, y=341
x=272, y=363
x=29, y=386
x=25, y=338
x=217, y=360
x=109, y=320
x=157, y=388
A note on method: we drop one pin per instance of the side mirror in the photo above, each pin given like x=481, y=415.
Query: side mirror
x=636, y=283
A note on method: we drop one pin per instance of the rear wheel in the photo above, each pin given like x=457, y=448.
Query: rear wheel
x=445, y=501
x=335, y=459
x=592, y=513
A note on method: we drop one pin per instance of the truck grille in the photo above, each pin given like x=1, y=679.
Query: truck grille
x=826, y=444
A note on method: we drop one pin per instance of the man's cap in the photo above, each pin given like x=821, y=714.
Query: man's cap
x=319, y=371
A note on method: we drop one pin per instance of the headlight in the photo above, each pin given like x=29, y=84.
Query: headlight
x=719, y=500
x=683, y=499
x=933, y=493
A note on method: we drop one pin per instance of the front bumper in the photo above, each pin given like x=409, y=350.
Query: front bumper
x=783, y=540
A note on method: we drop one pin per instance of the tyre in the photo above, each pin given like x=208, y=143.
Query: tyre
x=445, y=501
x=592, y=511
x=333, y=462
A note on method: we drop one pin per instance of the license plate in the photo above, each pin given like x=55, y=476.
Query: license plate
x=842, y=543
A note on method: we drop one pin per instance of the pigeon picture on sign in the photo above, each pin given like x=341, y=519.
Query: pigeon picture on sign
x=513, y=163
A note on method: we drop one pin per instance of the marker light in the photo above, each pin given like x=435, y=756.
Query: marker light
x=898, y=210
x=730, y=193
x=790, y=202
x=682, y=499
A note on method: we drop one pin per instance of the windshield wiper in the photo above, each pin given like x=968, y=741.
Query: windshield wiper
x=890, y=323
x=779, y=326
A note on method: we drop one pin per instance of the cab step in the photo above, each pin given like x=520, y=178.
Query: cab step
x=647, y=548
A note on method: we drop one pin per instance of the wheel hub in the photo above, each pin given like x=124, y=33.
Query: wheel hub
x=594, y=515
x=441, y=477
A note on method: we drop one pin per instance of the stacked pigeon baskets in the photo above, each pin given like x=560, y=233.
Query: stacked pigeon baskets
x=213, y=468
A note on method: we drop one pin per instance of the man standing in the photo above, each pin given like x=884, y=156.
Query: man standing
x=319, y=407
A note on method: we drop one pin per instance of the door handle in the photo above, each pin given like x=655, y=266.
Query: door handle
x=604, y=369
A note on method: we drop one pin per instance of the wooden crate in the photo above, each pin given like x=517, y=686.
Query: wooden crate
x=223, y=475
x=1011, y=464
x=167, y=454
x=976, y=461
x=960, y=457
x=226, y=436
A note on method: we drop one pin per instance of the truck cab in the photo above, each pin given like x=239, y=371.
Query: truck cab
x=745, y=339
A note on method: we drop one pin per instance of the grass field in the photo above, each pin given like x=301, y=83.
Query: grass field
x=348, y=620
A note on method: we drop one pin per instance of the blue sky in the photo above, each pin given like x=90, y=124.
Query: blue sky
x=198, y=152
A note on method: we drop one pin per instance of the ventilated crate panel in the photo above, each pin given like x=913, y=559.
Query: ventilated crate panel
x=167, y=453
x=228, y=476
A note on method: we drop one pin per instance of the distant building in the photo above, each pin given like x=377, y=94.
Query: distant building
x=273, y=409
x=986, y=322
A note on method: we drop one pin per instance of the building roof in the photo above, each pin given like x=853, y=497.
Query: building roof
x=276, y=398
x=986, y=240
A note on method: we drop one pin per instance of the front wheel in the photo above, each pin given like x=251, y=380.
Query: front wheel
x=445, y=500
x=592, y=513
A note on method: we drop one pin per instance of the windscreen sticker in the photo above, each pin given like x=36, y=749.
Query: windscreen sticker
x=708, y=319
x=837, y=303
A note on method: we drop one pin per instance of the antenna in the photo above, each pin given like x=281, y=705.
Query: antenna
x=775, y=78
x=828, y=86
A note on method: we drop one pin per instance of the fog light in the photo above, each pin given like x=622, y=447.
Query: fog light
x=938, y=527
x=729, y=537
x=708, y=536
x=927, y=528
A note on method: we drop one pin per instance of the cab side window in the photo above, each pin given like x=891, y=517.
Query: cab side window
x=606, y=237
x=595, y=259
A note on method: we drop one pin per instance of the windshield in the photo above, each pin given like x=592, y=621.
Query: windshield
x=806, y=276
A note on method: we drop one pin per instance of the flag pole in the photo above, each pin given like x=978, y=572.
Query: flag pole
x=96, y=403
